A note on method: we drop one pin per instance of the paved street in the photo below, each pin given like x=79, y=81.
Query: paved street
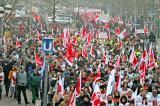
x=7, y=101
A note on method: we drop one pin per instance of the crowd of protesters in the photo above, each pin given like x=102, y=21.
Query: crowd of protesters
x=85, y=81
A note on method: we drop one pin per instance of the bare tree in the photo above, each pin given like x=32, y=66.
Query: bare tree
x=13, y=3
x=53, y=8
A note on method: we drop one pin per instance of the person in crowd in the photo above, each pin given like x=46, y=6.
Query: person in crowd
x=57, y=99
x=35, y=84
x=21, y=79
x=1, y=81
x=110, y=101
x=154, y=97
x=65, y=102
x=86, y=101
x=12, y=78
x=142, y=98
x=80, y=98
x=6, y=68
x=123, y=101
x=116, y=98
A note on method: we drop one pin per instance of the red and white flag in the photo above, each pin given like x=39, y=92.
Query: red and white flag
x=84, y=32
x=69, y=57
x=89, y=39
x=96, y=18
x=120, y=44
x=106, y=59
x=151, y=61
x=117, y=31
x=65, y=37
x=118, y=83
x=133, y=59
x=107, y=26
x=60, y=86
x=98, y=76
x=143, y=69
x=146, y=30
x=92, y=52
x=117, y=64
x=145, y=55
x=79, y=86
x=18, y=43
x=38, y=60
x=123, y=34
x=72, y=101
x=39, y=36
x=111, y=82
x=75, y=42
x=84, y=51
x=96, y=96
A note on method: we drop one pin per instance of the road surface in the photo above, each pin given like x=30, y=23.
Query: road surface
x=7, y=101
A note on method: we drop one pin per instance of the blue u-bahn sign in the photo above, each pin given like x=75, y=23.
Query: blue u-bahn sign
x=47, y=45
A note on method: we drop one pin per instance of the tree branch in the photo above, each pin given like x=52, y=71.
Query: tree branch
x=13, y=6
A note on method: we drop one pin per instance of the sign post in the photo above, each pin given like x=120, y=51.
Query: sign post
x=47, y=48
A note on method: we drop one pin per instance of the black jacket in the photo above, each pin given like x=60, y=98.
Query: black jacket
x=85, y=104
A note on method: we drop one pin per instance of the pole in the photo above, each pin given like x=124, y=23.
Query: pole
x=30, y=19
x=156, y=29
x=45, y=82
x=135, y=14
x=2, y=30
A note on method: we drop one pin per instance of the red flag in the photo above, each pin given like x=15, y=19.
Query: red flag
x=99, y=70
x=65, y=37
x=18, y=43
x=107, y=26
x=75, y=42
x=145, y=30
x=89, y=39
x=79, y=86
x=96, y=96
x=123, y=34
x=96, y=18
x=60, y=87
x=72, y=101
x=21, y=29
x=133, y=59
x=143, y=68
x=37, y=18
x=117, y=31
x=92, y=52
x=38, y=60
x=84, y=32
x=84, y=52
x=117, y=64
x=70, y=54
x=145, y=55
x=39, y=36
x=105, y=57
x=151, y=61
x=118, y=83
